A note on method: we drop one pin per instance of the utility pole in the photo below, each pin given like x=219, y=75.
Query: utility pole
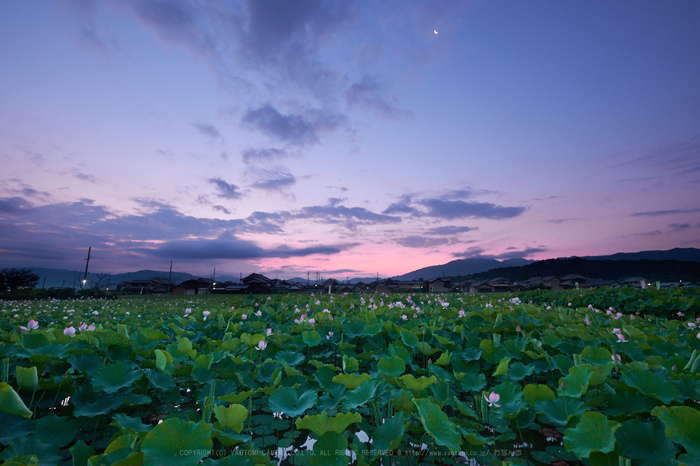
x=86, y=267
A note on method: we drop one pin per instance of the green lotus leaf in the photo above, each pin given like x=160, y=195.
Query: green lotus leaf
x=34, y=340
x=152, y=334
x=291, y=358
x=46, y=452
x=576, y=383
x=561, y=410
x=351, y=381
x=416, y=385
x=502, y=366
x=134, y=424
x=115, y=376
x=596, y=355
x=645, y=442
x=681, y=426
x=489, y=351
x=409, y=338
x=58, y=430
x=121, y=442
x=391, y=365
x=629, y=403
x=232, y=417
x=27, y=377
x=11, y=402
x=324, y=376
x=161, y=380
x=236, y=398
x=80, y=452
x=426, y=349
x=13, y=426
x=176, y=442
x=86, y=363
x=184, y=346
x=444, y=359
x=288, y=401
x=311, y=338
x=436, y=423
x=518, y=371
x=477, y=440
x=653, y=384
x=471, y=354
x=473, y=382
x=593, y=433
x=330, y=450
x=355, y=329
x=534, y=393
x=599, y=373
x=361, y=395
x=89, y=404
x=319, y=424
x=388, y=436
x=203, y=361
x=350, y=364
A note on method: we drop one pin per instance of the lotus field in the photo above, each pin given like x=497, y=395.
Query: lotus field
x=401, y=379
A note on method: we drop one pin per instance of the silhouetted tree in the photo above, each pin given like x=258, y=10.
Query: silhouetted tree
x=15, y=279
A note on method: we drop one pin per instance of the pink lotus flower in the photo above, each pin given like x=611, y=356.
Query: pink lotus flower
x=617, y=360
x=206, y=313
x=312, y=321
x=91, y=328
x=269, y=332
x=493, y=399
x=31, y=325
x=83, y=327
x=69, y=331
x=262, y=345
x=244, y=316
x=461, y=313
x=188, y=311
x=404, y=317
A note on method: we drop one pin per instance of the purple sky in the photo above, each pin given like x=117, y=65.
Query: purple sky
x=345, y=137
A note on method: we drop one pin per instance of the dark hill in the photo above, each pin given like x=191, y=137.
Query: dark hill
x=653, y=270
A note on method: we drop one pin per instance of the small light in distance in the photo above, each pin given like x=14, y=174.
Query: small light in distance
x=434, y=31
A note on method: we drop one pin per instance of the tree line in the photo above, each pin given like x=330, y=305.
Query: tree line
x=15, y=279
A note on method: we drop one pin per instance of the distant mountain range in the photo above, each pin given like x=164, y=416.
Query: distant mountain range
x=646, y=263
x=49, y=278
x=672, y=264
x=461, y=267
x=677, y=254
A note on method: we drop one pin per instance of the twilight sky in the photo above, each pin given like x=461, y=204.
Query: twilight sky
x=344, y=137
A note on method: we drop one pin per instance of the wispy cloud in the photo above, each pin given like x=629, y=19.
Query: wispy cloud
x=657, y=213
x=450, y=206
x=298, y=129
x=208, y=130
x=275, y=179
x=449, y=230
x=266, y=156
x=226, y=190
x=349, y=217
x=421, y=241
x=369, y=93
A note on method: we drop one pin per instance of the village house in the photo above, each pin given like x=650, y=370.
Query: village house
x=149, y=286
